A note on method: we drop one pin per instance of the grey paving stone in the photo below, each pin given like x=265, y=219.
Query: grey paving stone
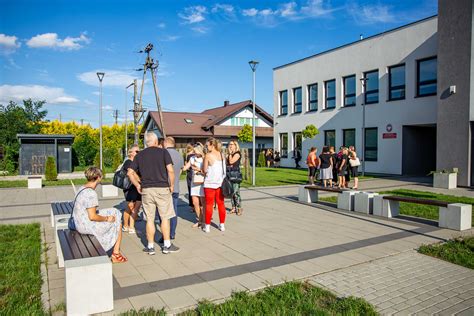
x=150, y=300
x=176, y=298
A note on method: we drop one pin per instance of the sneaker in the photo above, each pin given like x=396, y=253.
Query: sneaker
x=124, y=229
x=221, y=227
x=161, y=241
x=170, y=249
x=132, y=231
x=150, y=251
x=206, y=228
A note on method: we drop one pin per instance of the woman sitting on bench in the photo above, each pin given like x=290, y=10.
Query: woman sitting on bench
x=104, y=224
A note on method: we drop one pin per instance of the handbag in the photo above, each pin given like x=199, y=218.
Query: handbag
x=354, y=162
x=70, y=223
x=235, y=176
x=121, y=180
x=227, y=187
x=198, y=178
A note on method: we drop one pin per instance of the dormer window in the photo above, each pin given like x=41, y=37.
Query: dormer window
x=189, y=121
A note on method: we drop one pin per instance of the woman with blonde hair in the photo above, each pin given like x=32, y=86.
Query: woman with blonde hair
x=132, y=197
x=233, y=172
x=196, y=194
x=104, y=224
x=214, y=171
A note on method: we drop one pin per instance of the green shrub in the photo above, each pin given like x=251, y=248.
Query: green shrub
x=261, y=159
x=117, y=160
x=51, y=173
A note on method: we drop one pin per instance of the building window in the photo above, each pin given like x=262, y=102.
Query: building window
x=297, y=100
x=284, y=145
x=350, y=90
x=297, y=141
x=371, y=87
x=330, y=138
x=426, y=77
x=313, y=97
x=371, y=141
x=283, y=102
x=330, y=94
x=348, y=137
x=396, y=82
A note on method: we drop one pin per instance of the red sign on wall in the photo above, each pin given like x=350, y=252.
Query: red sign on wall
x=389, y=135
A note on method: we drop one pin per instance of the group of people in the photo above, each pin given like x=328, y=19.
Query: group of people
x=335, y=169
x=154, y=173
x=272, y=159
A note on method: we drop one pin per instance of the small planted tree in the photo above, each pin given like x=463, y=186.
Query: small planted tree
x=310, y=131
x=50, y=173
x=261, y=159
x=245, y=134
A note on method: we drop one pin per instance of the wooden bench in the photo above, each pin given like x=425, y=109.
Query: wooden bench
x=88, y=269
x=455, y=216
x=309, y=193
x=60, y=210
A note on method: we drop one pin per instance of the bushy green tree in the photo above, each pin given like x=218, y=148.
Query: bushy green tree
x=310, y=131
x=51, y=173
x=245, y=134
x=261, y=159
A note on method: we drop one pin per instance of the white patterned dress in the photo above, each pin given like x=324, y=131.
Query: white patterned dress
x=105, y=232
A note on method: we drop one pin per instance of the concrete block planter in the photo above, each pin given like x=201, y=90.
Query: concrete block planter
x=109, y=190
x=345, y=200
x=35, y=182
x=445, y=180
x=456, y=216
x=364, y=202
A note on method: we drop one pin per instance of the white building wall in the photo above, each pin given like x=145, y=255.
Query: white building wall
x=247, y=113
x=405, y=45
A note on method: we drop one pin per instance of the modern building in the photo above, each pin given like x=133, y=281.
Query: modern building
x=223, y=122
x=416, y=84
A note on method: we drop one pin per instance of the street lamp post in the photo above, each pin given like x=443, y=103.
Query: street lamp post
x=126, y=118
x=253, y=65
x=100, y=75
x=363, y=82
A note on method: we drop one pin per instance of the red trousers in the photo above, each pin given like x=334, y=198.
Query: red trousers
x=217, y=196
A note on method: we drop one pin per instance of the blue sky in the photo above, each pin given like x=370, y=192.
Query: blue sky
x=52, y=49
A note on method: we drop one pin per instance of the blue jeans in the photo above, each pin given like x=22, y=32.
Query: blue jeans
x=174, y=220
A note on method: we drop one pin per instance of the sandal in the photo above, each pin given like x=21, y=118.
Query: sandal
x=232, y=211
x=118, y=258
x=239, y=211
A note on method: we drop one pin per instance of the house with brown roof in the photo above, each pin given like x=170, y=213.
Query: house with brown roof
x=223, y=122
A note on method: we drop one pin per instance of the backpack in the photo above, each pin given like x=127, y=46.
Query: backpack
x=121, y=179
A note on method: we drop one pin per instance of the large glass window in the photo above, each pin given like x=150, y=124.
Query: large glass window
x=297, y=141
x=297, y=100
x=283, y=102
x=371, y=87
x=371, y=144
x=348, y=137
x=350, y=90
x=330, y=94
x=396, y=82
x=426, y=77
x=313, y=97
x=284, y=145
x=330, y=138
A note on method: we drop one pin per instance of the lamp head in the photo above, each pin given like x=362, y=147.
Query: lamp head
x=253, y=64
x=100, y=75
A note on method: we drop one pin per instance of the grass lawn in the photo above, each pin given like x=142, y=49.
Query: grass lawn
x=24, y=183
x=417, y=210
x=291, y=298
x=20, y=274
x=281, y=176
x=458, y=251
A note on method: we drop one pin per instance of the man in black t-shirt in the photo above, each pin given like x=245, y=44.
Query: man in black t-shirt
x=153, y=175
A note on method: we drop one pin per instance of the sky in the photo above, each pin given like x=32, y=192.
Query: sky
x=51, y=50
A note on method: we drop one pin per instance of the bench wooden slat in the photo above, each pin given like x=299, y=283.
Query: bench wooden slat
x=65, y=248
x=321, y=188
x=90, y=246
x=73, y=244
x=416, y=200
x=55, y=207
x=97, y=245
x=85, y=253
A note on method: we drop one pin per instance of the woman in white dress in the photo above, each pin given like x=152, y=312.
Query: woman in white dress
x=197, y=188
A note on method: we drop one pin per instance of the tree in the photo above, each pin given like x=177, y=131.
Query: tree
x=310, y=131
x=261, y=159
x=245, y=134
x=50, y=173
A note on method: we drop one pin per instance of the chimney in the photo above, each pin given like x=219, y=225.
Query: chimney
x=226, y=103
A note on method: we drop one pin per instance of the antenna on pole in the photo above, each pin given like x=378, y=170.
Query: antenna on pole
x=151, y=65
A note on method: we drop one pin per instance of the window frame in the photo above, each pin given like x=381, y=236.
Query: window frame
x=309, y=97
x=344, y=136
x=366, y=148
x=295, y=134
x=326, y=98
x=294, y=100
x=326, y=138
x=419, y=83
x=371, y=91
x=281, y=147
x=281, y=102
x=345, y=95
x=390, y=88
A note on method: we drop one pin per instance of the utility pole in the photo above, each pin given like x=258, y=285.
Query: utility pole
x=115, y=116
x=82, y=122
x=136, y=110
x=60, y=118
x=150, y=64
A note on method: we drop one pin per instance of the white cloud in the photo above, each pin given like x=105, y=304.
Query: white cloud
x=112, y=78
x=200, y=29
x=227, y=8
x=161, y=25
x=110, y=108
x=194, y=14
x=250, y=12
x=52, y=95
x=8, y=44
x=170, y=38
x=317, y=8
x=288, y=9
x=371, y=14
x=51, y=40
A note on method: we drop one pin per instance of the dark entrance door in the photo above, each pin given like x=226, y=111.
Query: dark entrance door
x=418, y=150
x=64, y=158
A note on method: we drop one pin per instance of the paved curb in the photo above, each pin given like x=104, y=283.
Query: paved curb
x=44, y=272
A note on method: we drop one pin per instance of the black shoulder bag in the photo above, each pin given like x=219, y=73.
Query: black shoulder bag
x=71, y=224
x=227, y=187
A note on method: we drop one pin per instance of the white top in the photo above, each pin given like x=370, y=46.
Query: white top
x=215, y=174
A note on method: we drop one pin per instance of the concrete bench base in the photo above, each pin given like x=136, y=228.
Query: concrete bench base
x=364, y=202
x=109, y=190
x=35, y=182
x=62, y=223
x=385, y=208
x=307, y=196
x=456, y=216
x=345, y=200
x=89, y=286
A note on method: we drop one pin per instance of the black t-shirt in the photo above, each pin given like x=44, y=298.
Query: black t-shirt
x=189, y=172
x=235, y=165
x=342, y=159
x=150, y=164
x=325, y=160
